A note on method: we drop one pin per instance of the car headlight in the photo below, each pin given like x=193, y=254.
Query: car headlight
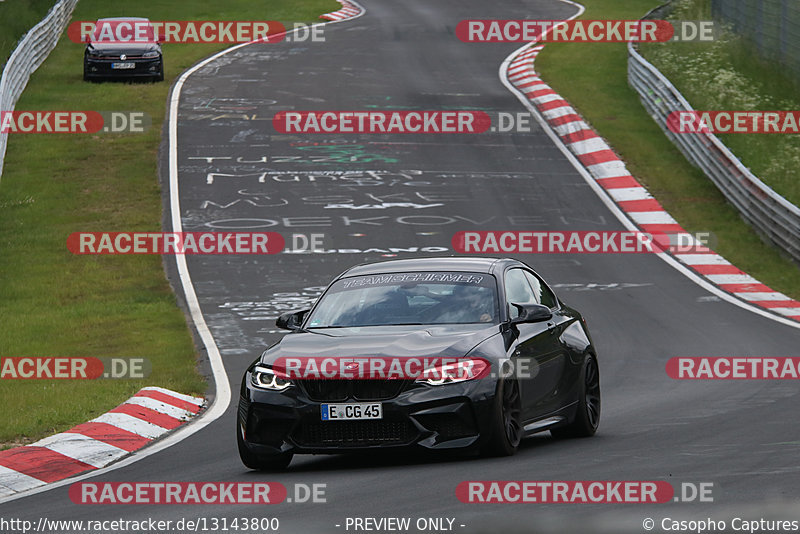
x=265, y=378
x=451, y=373
x=152, y=53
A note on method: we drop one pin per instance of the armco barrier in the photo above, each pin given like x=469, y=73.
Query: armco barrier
x=769, y=213
x=30, y=52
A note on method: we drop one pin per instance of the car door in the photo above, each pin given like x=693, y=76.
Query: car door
x=538, y=363
x=559, y=371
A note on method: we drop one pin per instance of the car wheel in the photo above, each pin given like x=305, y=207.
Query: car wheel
x=587, y=418
x=507, y=432
x=160, y=76
x=260, y=462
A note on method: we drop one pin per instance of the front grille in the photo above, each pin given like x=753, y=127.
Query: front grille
x=355, y=433
x=118, y=58
x=325, y=390
x=363, y=390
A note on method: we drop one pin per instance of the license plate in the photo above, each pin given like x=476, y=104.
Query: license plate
x=351, y=411
x=127, y=65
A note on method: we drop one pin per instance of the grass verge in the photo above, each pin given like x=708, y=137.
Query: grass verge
x=16, y=18
x=728, y=74
x=55, y=304
x=593, y=77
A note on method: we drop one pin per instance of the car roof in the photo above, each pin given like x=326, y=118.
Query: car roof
x=450, y=263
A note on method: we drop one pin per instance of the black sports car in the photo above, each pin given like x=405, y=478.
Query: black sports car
x=108, y=56
x=428, y=353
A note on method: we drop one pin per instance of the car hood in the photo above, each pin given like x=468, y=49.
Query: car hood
x=446, y=341
x=131, y=49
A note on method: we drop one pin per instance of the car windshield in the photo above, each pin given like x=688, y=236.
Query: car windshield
x=123, y=31
x=406, y=299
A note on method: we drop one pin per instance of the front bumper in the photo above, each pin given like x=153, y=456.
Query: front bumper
x=451, y=416
x=101, y=67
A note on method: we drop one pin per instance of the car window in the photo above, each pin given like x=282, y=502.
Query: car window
x=408, y=299
x=518, y=291
x=123, y=31
x=543, y=294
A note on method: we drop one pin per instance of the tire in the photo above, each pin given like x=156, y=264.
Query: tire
x=507, y=431
x=259, y=462
x=587, y=418
x=160, y=76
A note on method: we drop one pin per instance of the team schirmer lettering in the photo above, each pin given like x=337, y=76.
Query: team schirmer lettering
x=413, y=277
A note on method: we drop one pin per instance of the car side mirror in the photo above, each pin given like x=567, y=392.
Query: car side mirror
x=531, y=313
x=291, y=320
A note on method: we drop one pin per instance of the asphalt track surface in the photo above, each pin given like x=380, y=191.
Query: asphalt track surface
x=742, y=436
